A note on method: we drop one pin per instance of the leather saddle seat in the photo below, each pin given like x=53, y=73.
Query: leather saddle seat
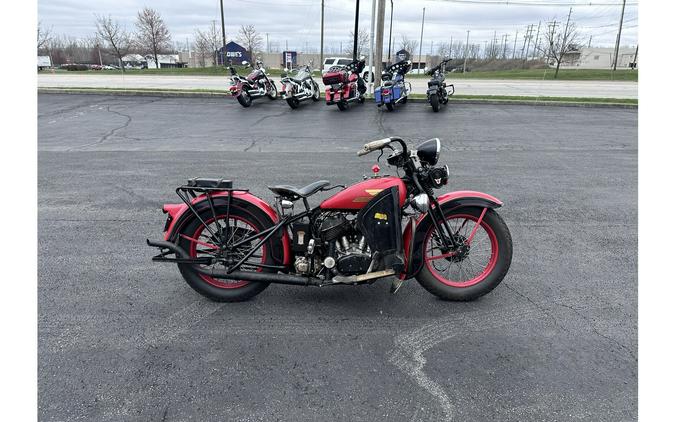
x=292, y=192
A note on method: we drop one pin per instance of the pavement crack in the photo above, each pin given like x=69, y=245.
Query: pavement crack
x=409, y=348
x=250, y=146
x=538, y=306
x=110, y=132
x=598, y=333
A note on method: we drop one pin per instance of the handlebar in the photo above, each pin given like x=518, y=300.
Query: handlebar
x=379, y=144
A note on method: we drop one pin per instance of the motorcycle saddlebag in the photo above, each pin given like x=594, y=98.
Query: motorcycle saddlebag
x=334, y=78
x=380, y=223
x=378, y=95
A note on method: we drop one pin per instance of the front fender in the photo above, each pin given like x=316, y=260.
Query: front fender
x=416, y=230
x=180, y=214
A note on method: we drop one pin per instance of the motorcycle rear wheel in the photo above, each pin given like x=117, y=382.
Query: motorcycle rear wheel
x=293, y=102
x=390, y=106
x=197, y=241
x=461, y=279
x=244, y=99
x=342, y=105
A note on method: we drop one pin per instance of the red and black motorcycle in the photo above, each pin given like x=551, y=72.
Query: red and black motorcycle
x=345, y=84
x=255, y=85
x=230, y=245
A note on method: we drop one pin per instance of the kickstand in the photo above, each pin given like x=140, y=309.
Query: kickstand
x=395, y=285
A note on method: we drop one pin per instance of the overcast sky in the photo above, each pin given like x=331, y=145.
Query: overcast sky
x=297, y=22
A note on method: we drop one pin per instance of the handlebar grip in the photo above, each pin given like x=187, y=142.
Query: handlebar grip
x=374, y=145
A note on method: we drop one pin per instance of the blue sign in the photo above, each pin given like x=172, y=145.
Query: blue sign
x=233, y=52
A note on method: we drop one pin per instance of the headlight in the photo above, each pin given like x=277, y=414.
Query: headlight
x=429, y=151
x=421, y=202
x=438, y=176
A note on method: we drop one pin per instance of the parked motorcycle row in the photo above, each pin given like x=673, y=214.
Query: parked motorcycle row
x=344, y=85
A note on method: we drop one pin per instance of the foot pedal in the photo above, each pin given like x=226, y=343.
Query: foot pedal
x=395, y=285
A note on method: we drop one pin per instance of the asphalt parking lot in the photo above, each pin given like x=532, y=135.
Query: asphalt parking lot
x=122, y=338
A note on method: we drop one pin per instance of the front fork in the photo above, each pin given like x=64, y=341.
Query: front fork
x=446, y=235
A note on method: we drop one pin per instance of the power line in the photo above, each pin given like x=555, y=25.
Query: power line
x=535, y=3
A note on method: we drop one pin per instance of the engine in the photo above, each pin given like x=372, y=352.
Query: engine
x=336, y=247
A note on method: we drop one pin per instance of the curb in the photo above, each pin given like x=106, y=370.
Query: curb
x=215, y=94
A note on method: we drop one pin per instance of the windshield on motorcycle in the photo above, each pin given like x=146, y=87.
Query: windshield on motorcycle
x=299, y=73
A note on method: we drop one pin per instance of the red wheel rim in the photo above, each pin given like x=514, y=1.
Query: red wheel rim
x=201, y=238
x=477, y=272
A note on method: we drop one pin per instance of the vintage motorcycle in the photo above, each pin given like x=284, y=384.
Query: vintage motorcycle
x=298, y=86
x=437, y=93
x=393, y=88
x=230, y=245
x=345, y=84
x=255, y=85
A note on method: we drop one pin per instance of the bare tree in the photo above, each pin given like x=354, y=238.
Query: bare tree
x=115, y=37
x=208, y=42
x=408, y=44
x=250, y=38
x=153, y=35
x=444, y=49
x=362, y=44
x=44, y=35
x=559, y=45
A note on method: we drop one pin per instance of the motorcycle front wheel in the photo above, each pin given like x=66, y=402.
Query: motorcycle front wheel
x=479, y=267
x=435, y=104
x=317, y=93
x=293, y=102
x=272, y=93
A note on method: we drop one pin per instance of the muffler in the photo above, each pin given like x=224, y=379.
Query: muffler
x=277, y=278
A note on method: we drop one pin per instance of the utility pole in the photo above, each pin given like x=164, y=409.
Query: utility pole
x=634, y=57
x=321, y=51
x=618, y=37
x=466, y=50
x=551, y=26
x=515, y=42
x=370, y=49
x=356, y=31
x=563, y=46
x=589, y=41
x=267, y=35
x=391, y=21
x=536, y=41
x=379, y=40
x=419, y=59
x=506, y=39
x=222, y=27
x=527, y=37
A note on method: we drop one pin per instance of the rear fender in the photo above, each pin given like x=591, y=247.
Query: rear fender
x=417, y=232
x=180, y=215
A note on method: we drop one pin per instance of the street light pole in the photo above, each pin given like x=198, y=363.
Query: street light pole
x=222, y=27
x=391, y=20
x=419, y=58
x=618, y=37
x=321, y=53
x=466, y=50
x=356, y=31
x=370, y=49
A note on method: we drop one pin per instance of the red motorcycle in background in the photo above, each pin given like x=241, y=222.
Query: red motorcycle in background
x=230, y=245
x=255, y=85
x=345, y=84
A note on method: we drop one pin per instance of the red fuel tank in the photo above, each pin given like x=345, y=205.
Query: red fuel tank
x=358, y=195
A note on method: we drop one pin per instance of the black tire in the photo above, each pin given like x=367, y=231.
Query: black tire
x=390, y=106
x=491, y=275
x=273, y=93
x=342, y=105
x=362, y=99
x=317, y=93
x=205, y=285
x=293, y=102
x=433, y=99
x=404, y=100
x=245, y=99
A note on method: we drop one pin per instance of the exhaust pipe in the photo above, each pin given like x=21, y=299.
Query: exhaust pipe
x=294, y=280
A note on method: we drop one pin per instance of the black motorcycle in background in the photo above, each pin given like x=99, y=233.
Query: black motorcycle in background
x=298, y=85
x=255, y=85
x=437, y=92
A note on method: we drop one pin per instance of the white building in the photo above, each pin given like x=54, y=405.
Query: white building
x=598, y=58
